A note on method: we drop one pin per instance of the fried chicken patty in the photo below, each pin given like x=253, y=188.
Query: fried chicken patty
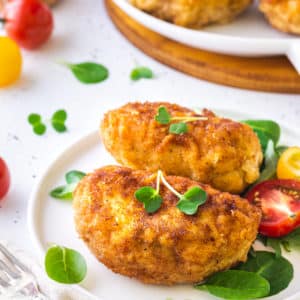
x=193, y=13
x=166, y=247
x=218, y=151
x=282, y=14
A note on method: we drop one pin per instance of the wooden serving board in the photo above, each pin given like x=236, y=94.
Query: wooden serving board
x=272, y=74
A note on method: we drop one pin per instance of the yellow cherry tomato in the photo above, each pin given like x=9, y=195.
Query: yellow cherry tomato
x=288, y=166
x=10, y=61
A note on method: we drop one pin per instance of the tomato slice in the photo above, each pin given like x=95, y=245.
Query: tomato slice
x=4, y=178
x=279, y=201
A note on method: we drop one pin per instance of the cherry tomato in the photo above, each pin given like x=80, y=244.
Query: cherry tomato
x=10, y=61
x=288, y=166
x=28, y=22
x=280, y=204
x=4, y=178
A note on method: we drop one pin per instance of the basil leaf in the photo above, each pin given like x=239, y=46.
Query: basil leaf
x=236, y=284
x=74, y=176
x=149, y=197
x=270, y=163
x=65, y=265
x=178, y=128
x=191, y=200
x=269, y=128
x=141, y=72
x=88, y=72
x=162, y=116
x=277, y=270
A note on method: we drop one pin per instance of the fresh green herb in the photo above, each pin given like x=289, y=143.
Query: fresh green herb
x=65, y=265
x=191, y=200
x=236, y=284
x=150, y=197
x=280, y=149
x=265, y=129
x=164, y=117
x=141, y=72
x=58, y=120
x=188, y=203
x=270, y=163
x=178, y=128
x=38, y=126
x=88, y=72
x=65, y=192
x=277, y=270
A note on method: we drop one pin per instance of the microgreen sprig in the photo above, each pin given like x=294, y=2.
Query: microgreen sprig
x=141, y=72
x=188, y=202
x=164, y=117
x=38, y=126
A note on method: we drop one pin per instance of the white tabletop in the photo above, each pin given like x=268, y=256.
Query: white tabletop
x=84, y=32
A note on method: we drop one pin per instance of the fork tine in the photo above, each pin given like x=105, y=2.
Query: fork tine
x=13, y=260
x=12, y=272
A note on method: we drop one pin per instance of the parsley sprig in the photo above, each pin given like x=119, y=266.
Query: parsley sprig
x=188, y=202
x=164, y=117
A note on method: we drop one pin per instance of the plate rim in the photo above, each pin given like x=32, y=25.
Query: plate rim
x=34, y=200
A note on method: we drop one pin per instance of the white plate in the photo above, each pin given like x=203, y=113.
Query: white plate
x=51, y=221
x=248, y=35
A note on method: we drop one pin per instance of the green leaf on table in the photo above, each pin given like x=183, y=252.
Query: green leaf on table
x=39, y=128
x=268, y=128
x=141, y=72
x=58, y=120
x=277, y=270
x=236, y=284
x=65, y=265
x=88, y=72
x=178, y=128
x=34, y=119
x=191, y=200
x=163, y=116
x=65, y=192
x=149, y=197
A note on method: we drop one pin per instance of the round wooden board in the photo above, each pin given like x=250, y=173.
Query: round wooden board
x=272, y=74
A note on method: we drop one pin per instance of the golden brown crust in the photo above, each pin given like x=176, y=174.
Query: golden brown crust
x=193, y=13
x=220, y=152
x=282, y=14
x=166, y=247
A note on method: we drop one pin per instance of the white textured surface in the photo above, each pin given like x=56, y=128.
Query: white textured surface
x=84, y=32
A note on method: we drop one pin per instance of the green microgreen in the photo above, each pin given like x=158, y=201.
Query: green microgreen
x=65, y=265
x=38, y=127
x=65, y=192
x=164, y=117
x=88, y=72
x=58, y=120
x=188, y=202
x=141, y=72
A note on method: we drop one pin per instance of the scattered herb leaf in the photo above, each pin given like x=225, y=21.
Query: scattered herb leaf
x=141, y=72
x=34, y=119
x=178, y=128
x=149, y=197
x=236, y=284
x=88, y=72
x=65, y=192
x=65, y=265
x=163, y=117
x=58, y=120
x=191, y=200
x=277, y=270
x=39, y=128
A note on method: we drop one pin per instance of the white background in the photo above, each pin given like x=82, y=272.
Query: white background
x=83, y=32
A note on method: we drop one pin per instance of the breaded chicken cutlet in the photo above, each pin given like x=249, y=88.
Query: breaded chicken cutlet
x=216, y=151
x=193, y=13
x=282, y=14
x=167, y=247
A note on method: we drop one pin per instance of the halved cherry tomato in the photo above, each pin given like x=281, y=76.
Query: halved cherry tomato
x=280, y=204
x=288, y=166
x=4, y=178
x=28, y=22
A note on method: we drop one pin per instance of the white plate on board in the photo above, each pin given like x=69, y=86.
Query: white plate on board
x=51, y=221
x=248, y=35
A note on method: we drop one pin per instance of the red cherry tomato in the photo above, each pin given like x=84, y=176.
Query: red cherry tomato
x=28, y=22
x=280, y=204
x=4, y=178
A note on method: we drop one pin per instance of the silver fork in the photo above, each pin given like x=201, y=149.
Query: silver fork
x=16, y=279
